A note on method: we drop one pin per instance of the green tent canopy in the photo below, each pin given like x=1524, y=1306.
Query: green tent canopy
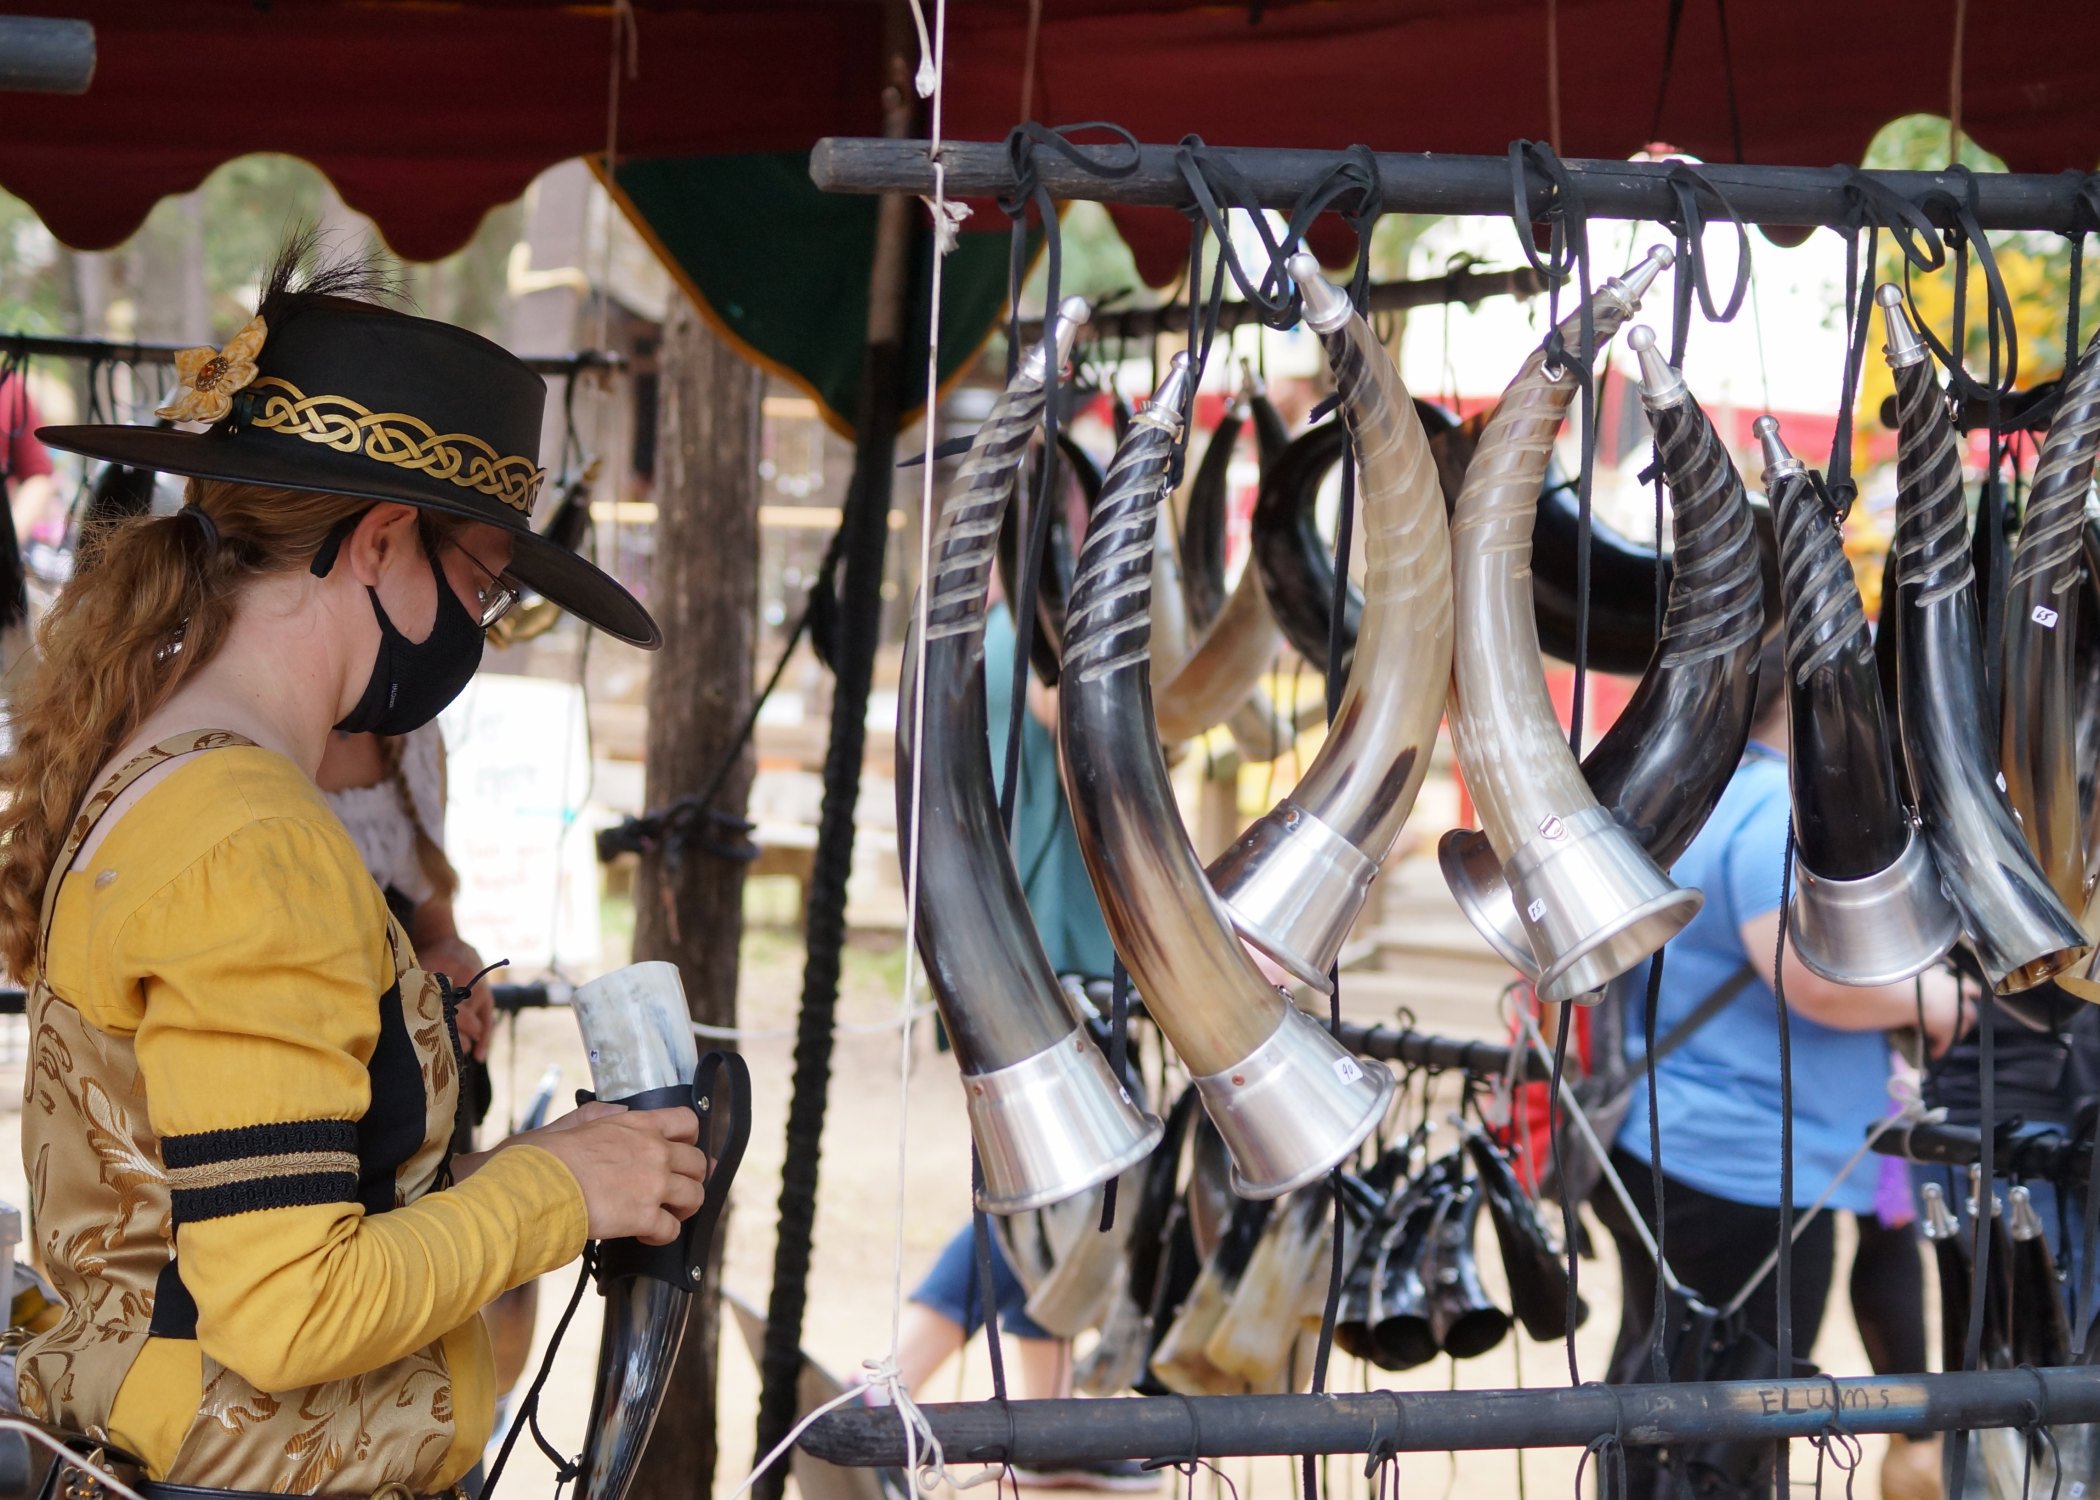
x=783, y=274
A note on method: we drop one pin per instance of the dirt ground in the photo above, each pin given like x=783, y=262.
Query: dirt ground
x=855, y=1275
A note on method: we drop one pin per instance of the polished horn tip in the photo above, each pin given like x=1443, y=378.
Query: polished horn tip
x=1661, y=386
x=1903, y=347
x=1072, y=315
x=1939, y=1222
x=1170, y=401
x=1326, y=308
x=2026, y=1223
x=1251, y=383
x=1635, y=283
x=1778, y=462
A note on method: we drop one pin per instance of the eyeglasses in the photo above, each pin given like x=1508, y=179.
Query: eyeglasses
x=496, y=596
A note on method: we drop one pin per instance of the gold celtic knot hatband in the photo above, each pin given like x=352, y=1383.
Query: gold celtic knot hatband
x=396, y=438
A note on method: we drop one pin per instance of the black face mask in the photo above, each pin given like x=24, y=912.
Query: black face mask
x=413, y=681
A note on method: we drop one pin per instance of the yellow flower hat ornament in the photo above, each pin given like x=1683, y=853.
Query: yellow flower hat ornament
x=206, y=378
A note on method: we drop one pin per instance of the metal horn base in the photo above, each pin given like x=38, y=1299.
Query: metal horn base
x=2083, y=979
x=1294, y=1107
x=1475, y=878
x=1592, y=902
x=1053, y=1125
x=1878, y=929
x=1294, y=888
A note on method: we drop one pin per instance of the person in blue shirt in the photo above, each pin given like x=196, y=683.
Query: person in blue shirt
x=1718, y=1091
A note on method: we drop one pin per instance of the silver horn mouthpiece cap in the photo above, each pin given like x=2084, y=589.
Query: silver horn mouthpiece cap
x=1293, y=888
x=1169, y=404
x=1878, y=929
x=1475, y=878
x=1072, y=315
x=1779, y=463
x=1661, y=386
x=1633, y=285
x=1294, y=1107
x=1326, y=308
x=1053, y=1125
x=1592, y=902
x=1904, y=347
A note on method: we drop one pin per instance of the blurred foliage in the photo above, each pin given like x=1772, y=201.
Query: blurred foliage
x=226, y=233
x=2036, y=269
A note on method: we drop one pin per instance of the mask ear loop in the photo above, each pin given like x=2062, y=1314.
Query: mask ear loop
x=332, y=545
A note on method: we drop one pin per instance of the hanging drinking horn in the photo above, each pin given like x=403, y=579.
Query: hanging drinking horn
x=1533, y=1265
x=1288, y=1270
x=1867, y=907
x=1592, y=902
x=1950, y=1256
x=1401, y=1334
x=1045, y=642
x=1181, y=1363
x=2041, y=1331
x=1464, y=1319
x=2038, y=717
x=1296, y=881
x=1049, y=1118
x=1117, y=1360
x=2038, y=729
x=1203, y=524
x=1288, y=1099
x=2021, y=932
x=1664, y=763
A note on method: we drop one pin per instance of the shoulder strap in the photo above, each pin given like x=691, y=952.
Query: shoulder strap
x=1715, y=1002
x=91, y=811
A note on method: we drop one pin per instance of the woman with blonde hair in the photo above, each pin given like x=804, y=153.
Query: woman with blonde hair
x=241, y=1085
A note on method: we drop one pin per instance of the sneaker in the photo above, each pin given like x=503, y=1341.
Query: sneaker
x=1125, y=1475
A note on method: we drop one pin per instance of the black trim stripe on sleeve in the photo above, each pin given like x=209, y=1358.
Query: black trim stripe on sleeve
x=214, y=1174
x=211, y=1147
x=253, y=1195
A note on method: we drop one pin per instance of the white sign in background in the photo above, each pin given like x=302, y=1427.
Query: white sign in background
x=518, y=760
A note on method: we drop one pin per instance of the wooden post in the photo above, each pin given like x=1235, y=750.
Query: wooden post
x=689, y=904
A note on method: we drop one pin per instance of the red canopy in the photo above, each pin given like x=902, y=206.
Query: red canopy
x=427, y=115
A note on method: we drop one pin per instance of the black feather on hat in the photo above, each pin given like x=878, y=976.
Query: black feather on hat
x=326, y=390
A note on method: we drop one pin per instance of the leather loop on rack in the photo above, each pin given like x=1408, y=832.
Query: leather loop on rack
x=1965, y=231
x=1688, y=185
x=1193, y=1455
x=1215, y=188
x=1609, y=1449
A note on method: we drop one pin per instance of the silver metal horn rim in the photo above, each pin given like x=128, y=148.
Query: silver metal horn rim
x=1070, y=1082
x=1910, y=887
x=1568, y=980
x=1245, y=1103
x=1476, y=881
x=1291, y=851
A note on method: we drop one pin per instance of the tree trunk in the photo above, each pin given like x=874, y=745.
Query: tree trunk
x=689, y=899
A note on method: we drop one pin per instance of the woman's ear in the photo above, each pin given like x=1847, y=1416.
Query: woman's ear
x=379, y=534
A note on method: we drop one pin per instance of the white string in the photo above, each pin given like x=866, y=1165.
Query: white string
x=922, y=1450
x=72, y=1459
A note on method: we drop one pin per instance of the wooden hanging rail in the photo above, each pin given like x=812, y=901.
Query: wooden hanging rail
x=1429, y=183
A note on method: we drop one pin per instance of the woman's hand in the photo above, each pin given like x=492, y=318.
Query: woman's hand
x=640, y=1172
x=458, y=962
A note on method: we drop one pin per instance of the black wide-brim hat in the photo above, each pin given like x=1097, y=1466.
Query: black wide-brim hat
x=349, y=398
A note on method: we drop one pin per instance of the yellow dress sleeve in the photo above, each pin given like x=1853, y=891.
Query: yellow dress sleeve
x=262, y=966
